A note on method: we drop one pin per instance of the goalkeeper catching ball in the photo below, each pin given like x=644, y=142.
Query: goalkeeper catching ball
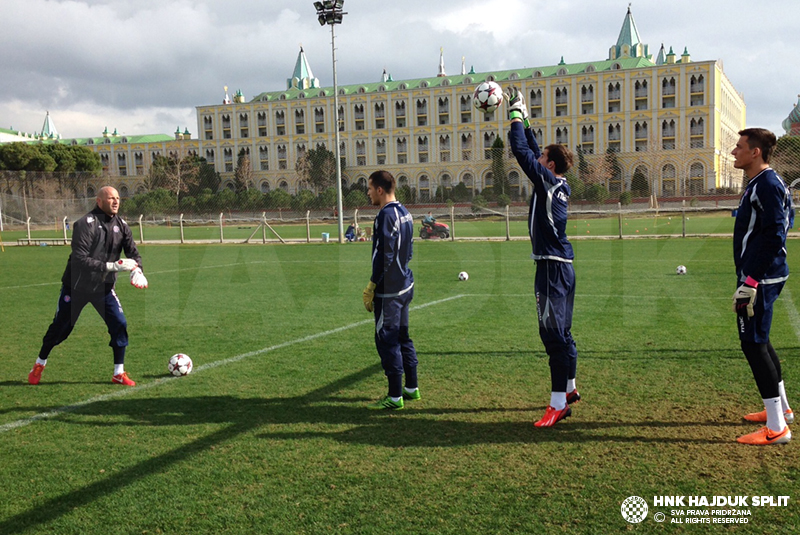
x=554, y=283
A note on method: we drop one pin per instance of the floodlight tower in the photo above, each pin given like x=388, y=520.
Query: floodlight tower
x=330, y=12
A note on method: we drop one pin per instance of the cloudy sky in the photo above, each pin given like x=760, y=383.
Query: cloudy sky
x=141, y=66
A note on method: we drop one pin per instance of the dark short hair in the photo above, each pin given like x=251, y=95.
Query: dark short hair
x=760, y=138
x=561, y=156
x=383, y=179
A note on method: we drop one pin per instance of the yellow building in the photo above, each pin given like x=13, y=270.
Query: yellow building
x=670, y=118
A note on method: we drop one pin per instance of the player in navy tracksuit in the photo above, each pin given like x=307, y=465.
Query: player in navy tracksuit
x=555, y=278
x=98, y=238
x=390, y=291
x=764, y=217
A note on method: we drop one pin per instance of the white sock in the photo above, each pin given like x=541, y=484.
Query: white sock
x=570, y=385
x=396, y=399
x=44, y=362
x=558, y=400
x=781, y=391
x=775, y=419
x=119, y=368
x=410, y=390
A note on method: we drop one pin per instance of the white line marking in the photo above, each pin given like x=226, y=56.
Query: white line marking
x=143, y=386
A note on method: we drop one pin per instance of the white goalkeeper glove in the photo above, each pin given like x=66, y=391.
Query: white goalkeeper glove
x=745, y=297
x=123, y=264
x=138, y=279
x=517, y=109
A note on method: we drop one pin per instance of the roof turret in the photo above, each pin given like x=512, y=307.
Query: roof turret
x=302, y=77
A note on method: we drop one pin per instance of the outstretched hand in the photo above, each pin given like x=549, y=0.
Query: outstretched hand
x=516, y=107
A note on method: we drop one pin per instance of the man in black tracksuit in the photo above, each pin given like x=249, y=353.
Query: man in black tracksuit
x=98, y=238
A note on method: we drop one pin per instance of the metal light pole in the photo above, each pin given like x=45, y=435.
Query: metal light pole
x=330, y=12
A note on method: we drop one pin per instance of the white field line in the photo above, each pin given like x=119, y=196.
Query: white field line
x=791, y=310
x=144, y=386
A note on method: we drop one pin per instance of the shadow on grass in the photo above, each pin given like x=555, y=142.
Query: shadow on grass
x=419, y=426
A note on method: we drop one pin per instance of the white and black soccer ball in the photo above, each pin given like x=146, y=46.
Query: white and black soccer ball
x=680, y=270
x=488, y=96
x=463, y=276
x=180, y=365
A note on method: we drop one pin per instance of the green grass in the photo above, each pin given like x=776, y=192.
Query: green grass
x=270, y=434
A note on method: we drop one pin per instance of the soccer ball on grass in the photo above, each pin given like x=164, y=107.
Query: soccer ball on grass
x=179, y=365
x=680, y=270
x=488, y=96
x=463, y=276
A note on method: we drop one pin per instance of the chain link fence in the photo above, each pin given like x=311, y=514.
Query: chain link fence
x=483, y=199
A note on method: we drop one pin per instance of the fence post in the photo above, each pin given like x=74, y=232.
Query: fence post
x=28, y=224
x=263, y=227
x=221, y=235
x=683, y=210
x=141, y=231
x=355, y=217
x=181, y=223
x=64, y=226
x=508, y=226
x=452, y=223
x=619, y=213
x=308, y=226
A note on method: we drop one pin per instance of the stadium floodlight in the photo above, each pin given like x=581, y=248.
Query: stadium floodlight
x=330, y=12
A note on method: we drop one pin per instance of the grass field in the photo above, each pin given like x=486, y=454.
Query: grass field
x=269, y=435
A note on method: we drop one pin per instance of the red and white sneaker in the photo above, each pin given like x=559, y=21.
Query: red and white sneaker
x=761, y=417
x=766, y=436
x=123, y=379
x=551, y=416
x=573, y=397
x=36, y=374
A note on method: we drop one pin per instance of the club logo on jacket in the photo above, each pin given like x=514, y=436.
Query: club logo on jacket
x=90, y=220
x=116, y=228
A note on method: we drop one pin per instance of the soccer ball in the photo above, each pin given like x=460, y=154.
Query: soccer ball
x=488, y=97
x=463, y=276
x=180, y=365
x=680, y=270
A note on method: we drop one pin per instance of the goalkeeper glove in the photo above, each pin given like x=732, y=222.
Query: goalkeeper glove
x=138, y=279
x=517, y=109
x=369, y=296
x=745, y=297
x=123, y=264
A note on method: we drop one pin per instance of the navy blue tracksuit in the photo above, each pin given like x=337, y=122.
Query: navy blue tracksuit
x=555, y=278
x=763, y=219
x=392, y=244
x=97, y=238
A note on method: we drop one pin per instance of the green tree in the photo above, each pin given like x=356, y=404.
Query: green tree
x=250, y=200
x=327, y=199
x=640, y=186
x=277, y=199
x=460, y=193
x=500, y=183
x=243, y=175
x=596, y=193
x=576, y=186
x=356, y=198
x=303, y=200
x=478, y=203
x=503, y=200
x=317, y=169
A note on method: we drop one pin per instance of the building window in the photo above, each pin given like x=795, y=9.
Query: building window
x=422, y=149
x=640, y=95
x=400, y=114
x=227, y=158
x=696, y=133
x=208, y=127
x=380, y=151
x=536, y=103
x=696, y=179
x=282, y=157
x=562, y=136
x=263, y=157
x=668, y=182
x=319, y=120
x=280, y=123
x=467, y=145
x=358, y=115
x=380, y=115
x=466, y=109
x=444, y=148
x=562, y=102
x=299, y=121
x=361, y=153
x=402, y=150
x=488, y=141
x=587, y=100
x=444, y=110
x=422, y=112
x=668, y=135
x=668, y=92
x=261, y=117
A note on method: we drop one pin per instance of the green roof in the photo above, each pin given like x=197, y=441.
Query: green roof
x=146, y=138
x=472, y=78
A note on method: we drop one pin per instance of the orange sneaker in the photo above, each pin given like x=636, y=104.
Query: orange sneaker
x=123, y=379
x=551, y=416
x=766, y=436
x=761, y=417
x=36, y=374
